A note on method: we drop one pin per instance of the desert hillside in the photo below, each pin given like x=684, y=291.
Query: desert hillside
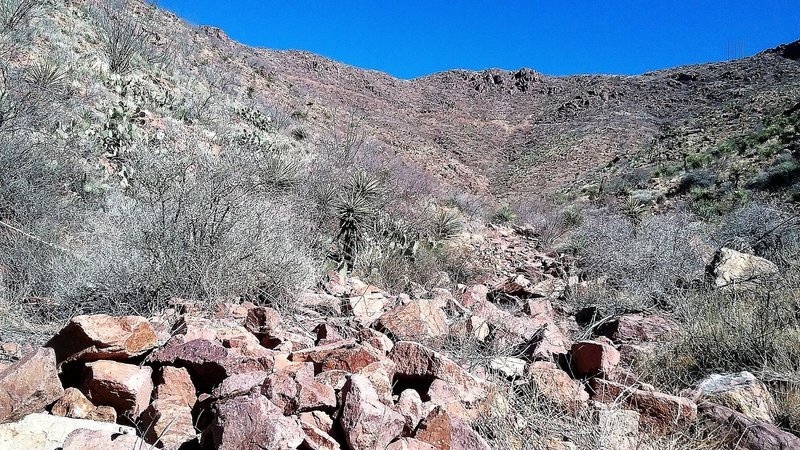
x=205, y=245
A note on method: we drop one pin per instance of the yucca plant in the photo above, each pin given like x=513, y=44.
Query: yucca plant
x=445, y=226
x=355, y=211
x=45, y=75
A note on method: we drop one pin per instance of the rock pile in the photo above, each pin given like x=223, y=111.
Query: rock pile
x=353, y=367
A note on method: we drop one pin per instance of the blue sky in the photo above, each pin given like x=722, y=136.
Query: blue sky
x=416, y=37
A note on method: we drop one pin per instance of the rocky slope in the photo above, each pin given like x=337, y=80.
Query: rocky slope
x=352, y=366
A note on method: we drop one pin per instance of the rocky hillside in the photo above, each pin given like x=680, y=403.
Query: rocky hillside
x=206, y=245
x=355, y=367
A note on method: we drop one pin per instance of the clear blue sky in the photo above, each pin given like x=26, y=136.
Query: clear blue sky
x=410, y=38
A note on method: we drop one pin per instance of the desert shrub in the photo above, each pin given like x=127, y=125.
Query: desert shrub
x=695, y=179
x=725, y=331
x=527, y=421
x=767, y=230
x=124, y=35
x=696, y=160
x=645, y=264
x=15, y=13
x=503, y=215
x=781, y=174
x=548, y=223
x=212, y=226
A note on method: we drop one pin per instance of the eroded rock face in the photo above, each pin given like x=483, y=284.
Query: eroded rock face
x=29, y=385
x=125, y=387
x=732, y=269
x=252, y=422
x=742, y=392
x=367, y=423
x=95, y=337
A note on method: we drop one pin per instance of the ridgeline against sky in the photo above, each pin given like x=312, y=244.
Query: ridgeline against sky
x=414, y=38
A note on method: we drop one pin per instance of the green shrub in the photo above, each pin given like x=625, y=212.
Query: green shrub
x=503, y=216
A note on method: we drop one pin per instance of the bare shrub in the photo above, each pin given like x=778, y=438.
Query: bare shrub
x=648, y=266
x=529, y=421
x=125, y=35
x=769, y=231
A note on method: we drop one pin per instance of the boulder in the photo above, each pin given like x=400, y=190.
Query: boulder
x=732, y=269
x=125, y=387
x=75, y=405
x=46, y=432
x=415, y=362
x=418, y=320
x=743, y=433
x=366, y=422
x=662, y=412
x=638, y=329
x=168, y=423
x=95, y=337
x=367, y=307
x=445, y=432
x=29, y=385
x=252, y=422
x=591, y=358
x=175, y=385
x=556, y=385
x=209, y=362
x=318, y=419
x=85, y=439
x=742, y=392
x=344, y=355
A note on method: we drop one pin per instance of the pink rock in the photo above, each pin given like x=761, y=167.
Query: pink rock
x=743, y=433
x=29, y=385
x=252, y=422
x=240, y=384
x=380, y=374
x=665, y=413
x=591, y=358
x=342, y=355
x=410, y=406
x=125, y=387
x=84, y=439
x=234, y=311
x=175, y=385
x=317, y=439
x=75, y=405
x=168, y=424
x=90, y=338
x=208, y=362
x=323, y=303
x=376, y=339
x=294, y=389
x=317, y=419
x=417, y=362
x=636, y=329
x=367, y=423
x=333, y=378
x=556, y=385
x=418, y=320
